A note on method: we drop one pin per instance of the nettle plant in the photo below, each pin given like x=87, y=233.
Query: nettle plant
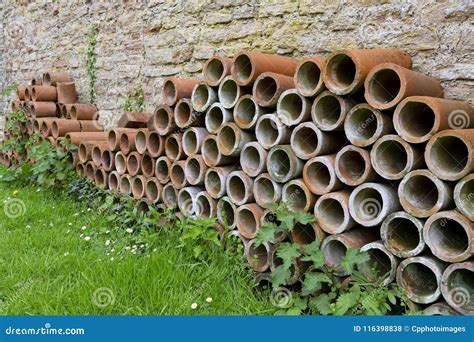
x=361, y=292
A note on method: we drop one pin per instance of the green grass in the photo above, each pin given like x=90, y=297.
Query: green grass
x=49, y=267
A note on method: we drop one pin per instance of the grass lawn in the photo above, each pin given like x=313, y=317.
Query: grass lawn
x=59, y=257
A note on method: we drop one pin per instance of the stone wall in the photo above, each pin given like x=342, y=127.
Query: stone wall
x=142, y=41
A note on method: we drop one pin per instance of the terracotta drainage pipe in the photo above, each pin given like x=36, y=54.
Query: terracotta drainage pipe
x=174, y=147
x=457, y=287
x=258, y=257
x=77, y=137
x=248, y=65
x=177, y=88
x=138, y=186
x=195, y=170
x=53, y=78
x=304, y=234
x=114, y=180
x=440, y=308
x=247, y=112
x=266, y=191
x=464, y=196
x=283, y=164
x=60, y=127
x=170, y=195
x=402, y=234
x=422, y=194
x=229, y=92
x=269, y=86
x=134, y=164
x=177, y=174
x=215, y=69
x=211, y=154
x=346, y=70
x=45, y=128
x=309, y=76
x=417, y=118
x=332, y=212
x=20, y=92
x=450, y=236
x=120, y=163
x=319, y=175
x=162, y=169
x=96, y=153
x=239, y=188
x=271, y=132
x=65, y=110
x=297, y=196
x=329, y=111
x=231, y=139
x=392, y=157
x=205, y=206
x=420, y=278
x=148, y=165
x=162, y=120
x=364, y=125
x=44, y=93
x=215, y=180
x=89, y=170
x=226, y=212
x=113, y=137
x=127, y=142
x=334, y=247
x=353, y=166
x=125, y=185
x=450, y=154
x=247, y=219
x=66, y=92
x=141, y=138
x=385, y=262
x=216, y=116
x=79, y=168
x=80, y=111
x=203, y=97
x=155, y=144
x=192, y=140
x=293, y=108
x=370, y=203
x=44, y=109
x=185, y=116
x=85, y=150
x=153, y=190
x=187, y=199
x=253, y=159
x=101, y=177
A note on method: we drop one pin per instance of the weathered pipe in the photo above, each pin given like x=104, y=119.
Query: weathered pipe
x=258, y=257
x=66, y=92
x=450, y=154
x=195, y=169
x=185, y=116
x=308, y=141
x=170, y=195
x=248, y=65
x=215, y=69
x=43, y=109
x=329, y=111
x=177, y=88
x=162, y=120
x=420, y=278
x=229, y=92
x=215, y=180
x=319, y=175
x=187, y=199
x=155, y=144
x=96, y=153
x=83, y=111
x=387, y=84
x=134, y=160
x=239, y=188
x=293, y=108
x=148, y=165
x=162, y=169
x=85, y=150
x=253, y=159
x=332, y=211
x=370, y=203
x=440, y=308
x=20, y=92
x=211, y=154
x=422, y=194
x=271, y=132
x=346, y=70
x=392, y=157
x=44, y=93
x=127, y=142
x=60, y=127
x=205, y=206
x=174, y=147
x=138, y=186
x=120, y=163
x=153, y=190
x=192, y=140
x=114, y=180
x=203, y=97
x=248, y=220
x=283, y=164
x=353, y=166
x=364, y=125
x=226, y=212
x=216, y=116
x=402, y=234
x=53, y=78
x=247, y=112
x=101, y=178
x=45, y=128
x=89, y=170
x=231, y=139
x=304, y=234
x=296, y=195
x=385, y=262
x=457, y=287
x=464, y=196
x=177, y=174
x=450, y=236
x=309, y=77
x=334, y=247
x=269, y=86
x=80, y=168
x=113, y=137
x=141, y=138
x=417, y=118
x=91, y=126
x=266, y=191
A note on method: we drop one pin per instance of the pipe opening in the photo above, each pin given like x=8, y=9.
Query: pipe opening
x=203, y=207
x=305, y=140
x=352, y=165
x=193, y=170
x=319, y=174
x=133, y=164
x=466, y=196
x=449, y=153
x=172, y=147
x=384, y=86
x=264, y=190
x=391, y=156
x=419, y=279
x=124, y=143
x=161, y=118
x=327, y=111
x=243, y=68
x=295, y=197
x=303, y=234
x=54, y=129
x=125, y=184
x=147, y=165
x=247, y=221
x=245, y=111
x=416, y=118
x=251, y=159
x=200, y=96
x=333, y=252
x=449, y=236
x=308, y=76
x=379, y=260
x=291, y=106
x=96, y=155
x=169, y=195
x=237, y=189
x=362, y=123
x=368, y=204
x=214, y=70
x=268, y=131
x=215, y=118
x=82, y=150
x=266, y=88
x=120, y=163
x=210, y=150
x=402, y=234
x=227, y=138
x=99, y=177
x=258, y=255
x=228, y=92
x=183, y=113
x=227, y=213
x=177, y=174
x=154, y=143
x=280, y=164
x=190, y=141
x=152, y=190
x=185, y=201
x=162, y=170
x=140, y=141
x=331, y=212
x=425, y=199
x=113, y=181
x=213, y=182
x=137, y=186
x=112, y=139
x=169, y=91
x=464, y=279
x=342, y=70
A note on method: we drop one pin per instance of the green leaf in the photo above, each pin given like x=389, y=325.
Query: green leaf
x=353, y=258
x=280, y=275
x=288, y=252
x=314, y=254
x=303, y=217
x=322, y=303
x=313, y=282
x=266, y=233
x=345, y=302
x=287, y=221
x=293, y=312
x=391, y=298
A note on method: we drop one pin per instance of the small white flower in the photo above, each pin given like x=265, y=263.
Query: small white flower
x=28, y=226
x=70, y=224
x=87, y=238
x=76, y=214
x=194, y=306
x=129, y=230
x=112, y=259
x=209, y=299
x=38, y=190
x=112, y=250
x=127, y=248
x=83, y=228
x=89, y=209
x=142, y=246
x=66, y=254
x=53, y=207
x=107, y=231
x=81, y=235
x=154, y=249
x=107, y=242
x=68, y=231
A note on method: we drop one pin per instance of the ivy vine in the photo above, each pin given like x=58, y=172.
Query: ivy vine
x=91, y=60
